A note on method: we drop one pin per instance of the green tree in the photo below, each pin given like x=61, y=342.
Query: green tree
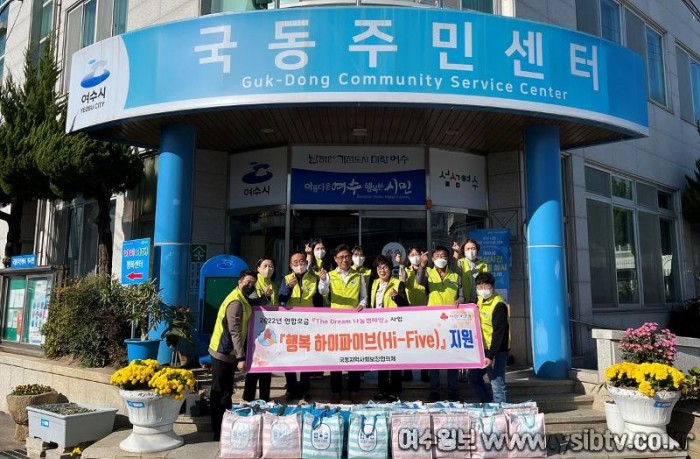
x=23, y=109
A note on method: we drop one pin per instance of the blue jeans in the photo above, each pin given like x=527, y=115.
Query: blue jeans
x=452, y=376
x=497, y=375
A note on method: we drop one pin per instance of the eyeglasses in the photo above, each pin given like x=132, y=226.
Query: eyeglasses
x=344, y=257
x=382, y=268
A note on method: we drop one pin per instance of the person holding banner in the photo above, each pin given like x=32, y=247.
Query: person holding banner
x=300, y=288
x=443, y=288
x=415, y=293
x=495, y=330
x=227, y=346
x=266, y=293
x=469, y=265
x=387, y=292
x=347, y=290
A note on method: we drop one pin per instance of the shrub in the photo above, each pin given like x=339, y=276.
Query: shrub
x=648, y=344
x=87, y=319
x=30, y=389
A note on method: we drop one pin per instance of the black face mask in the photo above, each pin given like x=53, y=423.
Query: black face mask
x=247, y=290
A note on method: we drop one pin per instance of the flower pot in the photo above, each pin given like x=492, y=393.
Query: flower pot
x=152, y=416
x=141, y=349
x=645, y=415
x=613, y=418
x=70, y=429
x=17, y=407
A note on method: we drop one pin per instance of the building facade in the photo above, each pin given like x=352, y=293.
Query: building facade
x=627, y=254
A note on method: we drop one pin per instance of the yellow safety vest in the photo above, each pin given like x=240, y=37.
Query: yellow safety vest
x=468, y=276
x=414, y=291
x=345, y=294
x=443, y=292
x=302, y=295
x=387, y=301
x=486, y=308
x=220, y=337
x=366, y=272
x=261, y=285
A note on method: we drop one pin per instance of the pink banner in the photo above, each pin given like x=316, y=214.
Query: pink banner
x=324, y=339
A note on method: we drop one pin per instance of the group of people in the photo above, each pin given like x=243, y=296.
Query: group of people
x=450, y=279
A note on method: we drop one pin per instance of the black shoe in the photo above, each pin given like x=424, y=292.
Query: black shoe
x=380, y=397
x=434, y=397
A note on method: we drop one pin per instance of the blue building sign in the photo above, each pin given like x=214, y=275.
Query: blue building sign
x=494, y=249
x=135, y=261
x=350, y=55
x=23, y=261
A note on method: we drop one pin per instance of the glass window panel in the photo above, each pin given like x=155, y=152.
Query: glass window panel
x=621, y=187
x=121, y=10
x=669, y=264
x=46, y=19
x=665, y=200
x=655, y=66
x=610, y=20
x=88, y=252
x=220, y=6
x=685, y=92
x=597, y=182
x=3, y=30
x=650, y=255
x=625, y=256
x=646, y=195
x=634, y=33
x=602, y=256
x=260, y=234
x=448, y=227
x=695, y=87
x=485, y=6
x=89, y=15
x=75, y=229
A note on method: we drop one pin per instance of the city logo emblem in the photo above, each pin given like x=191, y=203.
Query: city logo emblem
x=260, y=174
x=98, y=75
x=267, y=337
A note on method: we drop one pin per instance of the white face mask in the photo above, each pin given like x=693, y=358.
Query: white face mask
x=319, y=254
x=485, y=293
x=414, y=259
x=299, y=269
x=358, y=261
x=470, y=254
x=266, y=272
x=440, y=262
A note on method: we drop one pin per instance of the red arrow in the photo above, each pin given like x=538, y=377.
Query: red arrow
x=132, y=275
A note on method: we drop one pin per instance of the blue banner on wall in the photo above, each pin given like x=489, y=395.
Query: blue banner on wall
x=136, y=255
x=23, y=261
x=316, y=187
x=494, y=249
x=351, y=54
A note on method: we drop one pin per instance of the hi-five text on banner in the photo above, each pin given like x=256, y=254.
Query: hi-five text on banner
x=324, y=339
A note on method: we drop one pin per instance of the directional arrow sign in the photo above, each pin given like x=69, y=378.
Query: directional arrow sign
x=135, y=261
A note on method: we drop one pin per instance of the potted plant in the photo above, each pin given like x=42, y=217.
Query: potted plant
x=180, y=328
x=645, y=387
x=20, y=398
x=153, y=397
x=69, y=424
x=145, y=309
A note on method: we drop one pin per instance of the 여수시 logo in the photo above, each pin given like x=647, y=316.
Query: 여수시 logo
x=259, y=174
x=98, y=75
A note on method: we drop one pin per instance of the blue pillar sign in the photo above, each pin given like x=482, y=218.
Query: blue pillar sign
x=135, y=261
x=23, y=261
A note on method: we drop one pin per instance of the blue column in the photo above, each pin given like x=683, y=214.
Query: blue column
x=549, y=312
x=173, y=225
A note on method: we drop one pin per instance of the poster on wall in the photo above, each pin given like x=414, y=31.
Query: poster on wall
x=494, y=249
x=38, y=299
x=358, y=176
x=457, y=179
x=258, y=178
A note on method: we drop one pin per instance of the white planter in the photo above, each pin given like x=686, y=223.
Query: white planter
x=152, y=416
x=645, y=415
x=613, y=418
x=70, y=429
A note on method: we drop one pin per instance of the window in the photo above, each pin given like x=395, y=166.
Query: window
x=45, y=25
x=688, y=84
x=234, y=6
x=606, y=20
x=90, y=22
x=631, y=242
x=485, y=6
x=4, y=16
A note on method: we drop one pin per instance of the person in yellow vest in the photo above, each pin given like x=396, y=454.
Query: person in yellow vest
x=266, y=293
x=316, y=256
x=347, y=290
x=227, y=346
x=387, y=292
x=358, y=261
x=467, y=256
x=299, y=289
x=495, y=330
x=443, y=288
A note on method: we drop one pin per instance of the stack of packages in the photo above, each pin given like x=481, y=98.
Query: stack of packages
x=379, y=431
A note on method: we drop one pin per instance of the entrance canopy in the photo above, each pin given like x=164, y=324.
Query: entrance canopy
x=349, y=75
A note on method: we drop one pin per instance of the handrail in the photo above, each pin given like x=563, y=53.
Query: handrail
x=591, y=325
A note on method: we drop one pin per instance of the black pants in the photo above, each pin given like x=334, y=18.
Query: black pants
x=297, y=388
x=390, y=382
x=221, y=392
x=262, y=380
x=337, y=381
